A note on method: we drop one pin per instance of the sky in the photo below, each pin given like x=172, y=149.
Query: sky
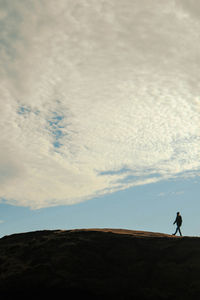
x=100, y=114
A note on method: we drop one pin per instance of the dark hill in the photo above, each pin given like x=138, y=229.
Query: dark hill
x=100, y=264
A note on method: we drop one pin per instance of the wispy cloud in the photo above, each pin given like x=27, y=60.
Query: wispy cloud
x=171, y=193
x=96, y=96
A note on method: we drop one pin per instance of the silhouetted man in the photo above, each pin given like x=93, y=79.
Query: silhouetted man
x=178, y=222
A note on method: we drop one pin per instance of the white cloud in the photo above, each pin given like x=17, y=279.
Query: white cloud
x=96, y=96
x=171, y=193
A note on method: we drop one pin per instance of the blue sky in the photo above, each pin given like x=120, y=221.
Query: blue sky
x=151, y=208
x=99, y=114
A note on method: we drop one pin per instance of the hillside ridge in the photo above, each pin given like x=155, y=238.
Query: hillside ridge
x=100, y=263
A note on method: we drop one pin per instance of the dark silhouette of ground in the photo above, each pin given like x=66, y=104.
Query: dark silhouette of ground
x=100, y=264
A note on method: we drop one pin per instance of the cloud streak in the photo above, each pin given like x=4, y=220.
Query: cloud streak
x=96, y=96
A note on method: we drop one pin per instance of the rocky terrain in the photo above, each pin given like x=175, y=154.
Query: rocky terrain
x=100, y=264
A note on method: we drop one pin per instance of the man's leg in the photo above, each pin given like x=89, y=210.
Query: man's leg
x=176, y=231
x=179, y=229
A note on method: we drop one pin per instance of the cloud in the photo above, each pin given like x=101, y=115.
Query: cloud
x=96, y=96
x=174, y=193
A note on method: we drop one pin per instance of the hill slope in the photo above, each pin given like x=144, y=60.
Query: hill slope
x=101, y=264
